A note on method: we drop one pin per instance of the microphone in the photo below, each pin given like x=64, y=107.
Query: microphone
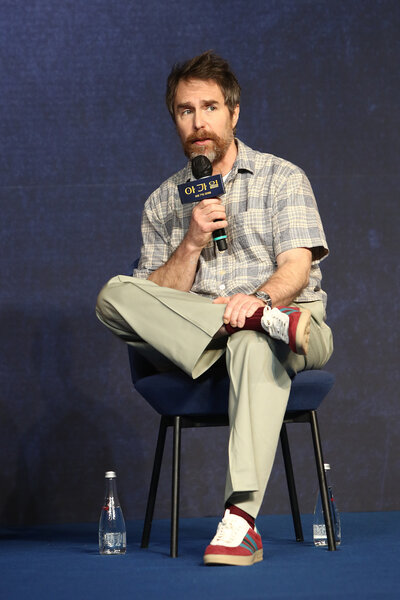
x=202, y=167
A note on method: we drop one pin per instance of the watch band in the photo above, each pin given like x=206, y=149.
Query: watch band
x=266, y=298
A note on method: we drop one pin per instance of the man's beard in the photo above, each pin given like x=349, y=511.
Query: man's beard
x=214, y=151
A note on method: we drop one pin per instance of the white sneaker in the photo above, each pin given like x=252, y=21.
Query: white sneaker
x=289, y=324
x=276, y=324
x=235, y=543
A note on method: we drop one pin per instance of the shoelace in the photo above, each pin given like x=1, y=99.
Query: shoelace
x=277, y=323
x=226, y=532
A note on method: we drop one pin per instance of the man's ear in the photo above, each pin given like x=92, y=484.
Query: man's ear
x=235, y=116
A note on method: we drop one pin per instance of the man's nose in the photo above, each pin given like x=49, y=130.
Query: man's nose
x=198, y=119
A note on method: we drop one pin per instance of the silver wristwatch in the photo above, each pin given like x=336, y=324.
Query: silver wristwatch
x=266, y=298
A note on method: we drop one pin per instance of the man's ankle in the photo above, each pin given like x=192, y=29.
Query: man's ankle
x=235, y=510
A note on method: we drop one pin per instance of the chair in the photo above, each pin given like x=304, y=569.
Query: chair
x=203, y=402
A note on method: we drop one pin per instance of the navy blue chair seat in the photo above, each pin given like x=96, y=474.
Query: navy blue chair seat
x=209, y=394
x=183, y=402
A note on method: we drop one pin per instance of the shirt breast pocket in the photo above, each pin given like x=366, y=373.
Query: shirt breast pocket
x=250, y=236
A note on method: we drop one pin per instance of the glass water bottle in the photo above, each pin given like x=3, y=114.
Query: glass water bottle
x=319, y=529
x=112, y=530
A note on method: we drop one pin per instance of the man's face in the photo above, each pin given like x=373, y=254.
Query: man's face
x=203, y=121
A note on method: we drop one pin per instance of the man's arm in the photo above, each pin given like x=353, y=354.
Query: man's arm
x=290, y=278
x=179, y=271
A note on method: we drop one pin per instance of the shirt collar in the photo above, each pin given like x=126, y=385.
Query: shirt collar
x=245, y=158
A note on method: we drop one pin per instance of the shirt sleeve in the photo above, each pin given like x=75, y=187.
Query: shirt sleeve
x=155, y=248
x=296, y=221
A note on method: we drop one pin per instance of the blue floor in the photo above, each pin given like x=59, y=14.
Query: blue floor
x=62, y=562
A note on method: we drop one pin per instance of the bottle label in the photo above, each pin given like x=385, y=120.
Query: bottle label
x=319, y=535
x=111, y=543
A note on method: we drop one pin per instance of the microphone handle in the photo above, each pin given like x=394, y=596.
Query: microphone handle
x=219, y=236
x=202, y=167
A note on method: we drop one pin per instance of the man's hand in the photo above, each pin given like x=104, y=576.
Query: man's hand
x=207, y=216
x=283, y=286
x=238, y=308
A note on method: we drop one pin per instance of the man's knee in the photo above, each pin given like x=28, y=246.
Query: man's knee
x=104, y=303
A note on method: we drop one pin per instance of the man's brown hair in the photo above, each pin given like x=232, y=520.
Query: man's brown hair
x=205, y=66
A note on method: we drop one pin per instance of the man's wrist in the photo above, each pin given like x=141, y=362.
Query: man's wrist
x=265, y=297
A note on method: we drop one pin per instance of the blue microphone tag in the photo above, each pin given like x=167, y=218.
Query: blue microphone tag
x=206, y=187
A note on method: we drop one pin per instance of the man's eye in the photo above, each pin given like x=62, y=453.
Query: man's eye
x=187, y=111
x=211, y=108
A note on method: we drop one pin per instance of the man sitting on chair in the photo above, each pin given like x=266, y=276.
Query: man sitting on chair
x=259, y=301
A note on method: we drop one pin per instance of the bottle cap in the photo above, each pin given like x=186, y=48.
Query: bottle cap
x=327, y=466
x=110, y=474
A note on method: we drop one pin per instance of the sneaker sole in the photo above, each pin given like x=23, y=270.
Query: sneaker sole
x=236, y=561
x=303, y=332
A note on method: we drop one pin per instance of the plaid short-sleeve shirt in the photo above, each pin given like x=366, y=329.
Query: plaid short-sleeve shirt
x=270, y=208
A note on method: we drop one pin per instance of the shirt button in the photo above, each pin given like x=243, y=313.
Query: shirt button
x=222, y=286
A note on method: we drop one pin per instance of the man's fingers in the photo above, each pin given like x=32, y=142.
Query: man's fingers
x=240, y=308
x=210, y=215
x=246, y=311
x=232, y=309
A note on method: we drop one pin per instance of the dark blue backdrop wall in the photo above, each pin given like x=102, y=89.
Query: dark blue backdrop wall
x=85, y=137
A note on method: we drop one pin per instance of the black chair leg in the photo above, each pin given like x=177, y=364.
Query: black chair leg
x=175, y=487
x=294, y=505
x=154, y=482
x=322, y=480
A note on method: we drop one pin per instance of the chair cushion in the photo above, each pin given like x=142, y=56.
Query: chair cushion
x=309, y=388
x=175, y=393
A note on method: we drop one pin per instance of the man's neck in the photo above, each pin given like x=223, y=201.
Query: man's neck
x=225, y=165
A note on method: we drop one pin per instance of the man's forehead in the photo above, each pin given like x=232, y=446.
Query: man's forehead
x=206, y=89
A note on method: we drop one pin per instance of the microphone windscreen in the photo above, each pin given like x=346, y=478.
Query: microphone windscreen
x=201, y=166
